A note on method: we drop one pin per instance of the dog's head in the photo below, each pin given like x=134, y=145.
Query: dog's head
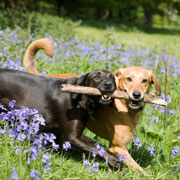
x=102, y=80
x=136, y=81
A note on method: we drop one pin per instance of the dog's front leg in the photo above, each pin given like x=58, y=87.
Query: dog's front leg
x=79, y=141
x=129, y=161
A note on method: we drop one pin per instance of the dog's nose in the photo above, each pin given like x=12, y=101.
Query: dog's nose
x=108, y=85
x=136, y=95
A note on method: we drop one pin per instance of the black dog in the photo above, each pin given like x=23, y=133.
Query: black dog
x=64, y=113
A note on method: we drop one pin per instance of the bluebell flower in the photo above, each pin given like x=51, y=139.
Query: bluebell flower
x=12, y=104
x=14, y=175
x=16, y=150
x=66, y=145
x=100, y=149
x=175, y=151
x=178, y=138
x=177, y=167
x=94, y=168
x=107, y=160
x=93, y=153
x=2, y=131
x=21, y=137
x=151, y=150
x=86, y=163
x=122, y=158
x=154, y=118
x=35, y=174
x=137, y=141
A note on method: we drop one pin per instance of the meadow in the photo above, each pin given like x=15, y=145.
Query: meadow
x=25, y=154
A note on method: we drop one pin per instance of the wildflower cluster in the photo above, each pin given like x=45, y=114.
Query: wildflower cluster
x=23, y=125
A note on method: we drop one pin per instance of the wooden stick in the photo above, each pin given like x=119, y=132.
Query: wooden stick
x=148, y=98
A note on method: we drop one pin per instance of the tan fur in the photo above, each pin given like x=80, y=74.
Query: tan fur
x=118, y=127
x=30, y=60
x=116, y=124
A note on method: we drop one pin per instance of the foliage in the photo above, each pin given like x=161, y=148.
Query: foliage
x=36, y=24
x=139, y=11
x=156, y=150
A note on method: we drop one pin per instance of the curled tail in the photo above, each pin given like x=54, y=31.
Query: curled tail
x=29, y=57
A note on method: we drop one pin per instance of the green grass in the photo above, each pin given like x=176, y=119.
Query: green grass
x=68, y=165
x=154, y=37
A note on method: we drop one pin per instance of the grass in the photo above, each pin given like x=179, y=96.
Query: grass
x=155, y=38
x=83, y=55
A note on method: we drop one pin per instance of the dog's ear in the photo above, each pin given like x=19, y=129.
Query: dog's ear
x=156, y=83
x=82, y=81
x=117, y=75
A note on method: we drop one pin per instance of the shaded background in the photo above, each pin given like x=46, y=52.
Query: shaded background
x=138, y=11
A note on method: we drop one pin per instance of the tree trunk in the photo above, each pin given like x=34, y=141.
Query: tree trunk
x=148, y=15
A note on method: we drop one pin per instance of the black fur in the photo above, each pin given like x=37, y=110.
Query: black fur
x=64, y=113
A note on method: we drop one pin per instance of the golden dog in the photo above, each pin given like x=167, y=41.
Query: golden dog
x=116, y=124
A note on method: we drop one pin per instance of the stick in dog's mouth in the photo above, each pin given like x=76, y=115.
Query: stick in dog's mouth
x=148, y=98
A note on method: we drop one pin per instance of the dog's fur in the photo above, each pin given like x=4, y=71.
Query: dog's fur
x=64, y=113
x=119, y=127
x=30, y=61
x=117, y=124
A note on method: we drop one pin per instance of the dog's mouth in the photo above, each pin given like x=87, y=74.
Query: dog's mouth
x=105, y=99
x=134, y=104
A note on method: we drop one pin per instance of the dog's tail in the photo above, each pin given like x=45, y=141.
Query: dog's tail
x=29, y=57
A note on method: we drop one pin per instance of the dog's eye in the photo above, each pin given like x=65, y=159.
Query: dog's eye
x=129, y=79
x=97, y=77
x=144, y=81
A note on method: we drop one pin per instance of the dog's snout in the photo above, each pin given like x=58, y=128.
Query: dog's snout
x=108, y=85
x=136, y=95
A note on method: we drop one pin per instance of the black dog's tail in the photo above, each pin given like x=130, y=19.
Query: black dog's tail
x=29, y=57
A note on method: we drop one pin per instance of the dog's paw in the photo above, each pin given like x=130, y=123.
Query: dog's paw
x=114, y=162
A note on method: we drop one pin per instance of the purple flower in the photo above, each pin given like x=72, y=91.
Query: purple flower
x=2, y=107
x=47, y=164
x=137, y=141
x=35, y=175
x=66, y=145
x=14, y=175
x=122, y=158
x=28, y=160
x=151, y=150
x=16, y=150
x=38, y=118
x=154, y=118
x=2, y=132
x=100, y=149
x=45, y=157
x=175, y=151
x=21, y=137
x=177, y=167
x=86, y=163
x=12, y=104
x=94, y=168
x=107, y=159
x=178, y=138
x=93, y=153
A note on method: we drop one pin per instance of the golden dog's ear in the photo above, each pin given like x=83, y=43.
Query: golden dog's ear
x=156, y=83
x=117, y=75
